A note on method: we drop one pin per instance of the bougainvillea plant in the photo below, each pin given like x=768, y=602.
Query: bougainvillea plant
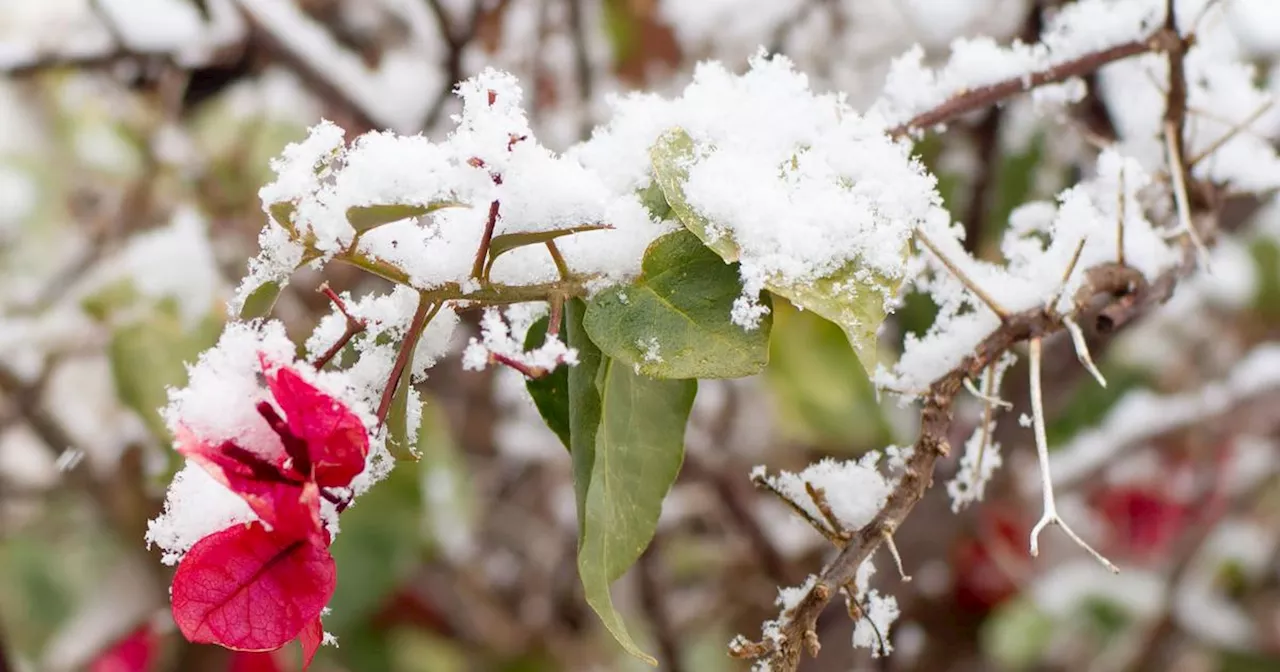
x=618, y=273
x=277, y=569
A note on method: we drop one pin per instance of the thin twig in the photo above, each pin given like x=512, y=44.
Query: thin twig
x=820, y=526
x=988, y=410
x=1122, y=201
x=819, y=497
x=986, y=96
x=1177, y=170
x=1066, y=275
x=965, y=280
x=1235, y=130
x=1050, y=515
x=354, y=326
x=482, y=252
x=426, y=310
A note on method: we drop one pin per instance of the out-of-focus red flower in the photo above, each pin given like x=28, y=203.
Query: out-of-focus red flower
x=256, y=587
x=1142, y=521
x=135, y=653
x=988, y=565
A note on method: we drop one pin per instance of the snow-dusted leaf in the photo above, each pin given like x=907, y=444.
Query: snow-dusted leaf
x=282, y=212
x=674, y=321
x=365, y=217
x=852, y=296
x=501, y=244
x=550, y=393
x=261, y=300
x=627, y=433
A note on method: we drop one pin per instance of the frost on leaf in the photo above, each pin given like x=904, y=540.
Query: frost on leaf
x=820, y=212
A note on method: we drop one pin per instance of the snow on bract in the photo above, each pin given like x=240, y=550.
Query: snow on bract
x=220, y=403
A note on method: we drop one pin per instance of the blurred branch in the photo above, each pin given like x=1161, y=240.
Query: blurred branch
x=987, y=96
x=653, y=601
x=456, y=40
x=5, y=665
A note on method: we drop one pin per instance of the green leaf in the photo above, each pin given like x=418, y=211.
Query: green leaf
x=584, y=403
x=845, y=297
x=673, y=322
x=398, y=418
x=282, y=212
x=1016, y=634
x=550, y=393
x=822, y=397
x=671, y=156
x=365, y=217
x=627, y=437
x=509, y=241
x=150, y=355
x=261, y=300
x=110, y=300
x=655, y=201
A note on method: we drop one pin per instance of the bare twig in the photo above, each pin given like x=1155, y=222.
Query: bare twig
x=1124, y=296
x=986, y=96
x=1178, y=171
x=960, y=275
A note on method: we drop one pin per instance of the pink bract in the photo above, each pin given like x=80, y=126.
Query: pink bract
x=251, y=589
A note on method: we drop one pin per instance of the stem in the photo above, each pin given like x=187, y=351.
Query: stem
x=426, y=309
x=482, y=253
x=354, y=326
x=531, y=372
x=558, y=258
x=557, y=315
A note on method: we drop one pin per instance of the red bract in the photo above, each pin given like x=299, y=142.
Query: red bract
x=256, y=587
x=254, y=661
x=135, y=653
x=250, y=588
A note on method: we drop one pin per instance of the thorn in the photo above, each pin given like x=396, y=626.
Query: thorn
x=1235, y=130
x=1066, y=275
x=991, y=303
x=985, y=396
x=1050, y=516
x=1082, y=350
x=1180, y=194
x=893, y=550
x=1120, y=210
